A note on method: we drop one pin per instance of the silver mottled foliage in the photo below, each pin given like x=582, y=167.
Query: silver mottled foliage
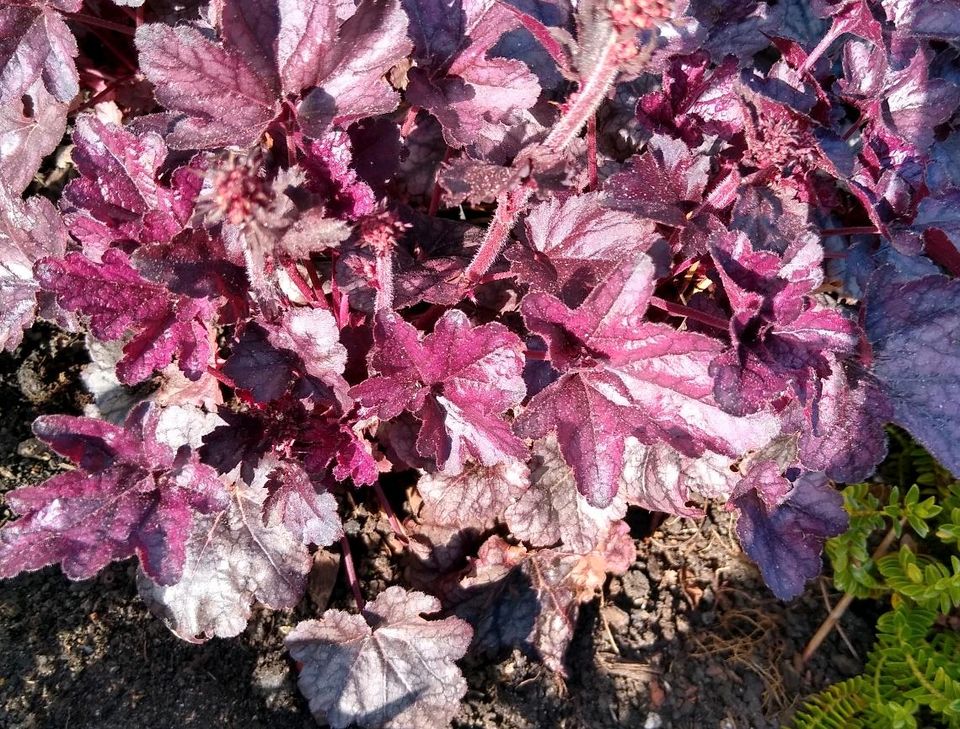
x=553, y=510
x=388, y=668
x=474, y=497
x=28, y=231
x=232, y=561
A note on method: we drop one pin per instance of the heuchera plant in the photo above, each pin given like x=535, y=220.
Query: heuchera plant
x=547, y=260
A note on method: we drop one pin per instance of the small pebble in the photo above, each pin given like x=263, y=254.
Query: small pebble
x=653, y=721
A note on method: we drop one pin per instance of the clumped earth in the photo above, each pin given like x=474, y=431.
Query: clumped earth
x=688, y=637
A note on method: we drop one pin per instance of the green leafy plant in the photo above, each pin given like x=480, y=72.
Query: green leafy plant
x=912, y=675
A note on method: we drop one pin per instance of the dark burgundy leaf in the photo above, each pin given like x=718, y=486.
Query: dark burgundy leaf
x=913, y=328
x=786, y=540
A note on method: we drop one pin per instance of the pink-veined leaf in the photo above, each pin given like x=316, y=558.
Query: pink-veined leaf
x=458, y=380
x=222, y=96
x=625, y=376
x=476, y=496
x=232, y=560
x=118, y=300
x=295, y=502
x=131, y=494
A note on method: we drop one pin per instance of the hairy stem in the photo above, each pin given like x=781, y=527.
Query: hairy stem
x=818, y=51
x=104, y=94
x=854, y=230
x=593, y=89
x=384, y=273
x=96, y=22
x=594, y=173
x=351, y=572
x=509, y=207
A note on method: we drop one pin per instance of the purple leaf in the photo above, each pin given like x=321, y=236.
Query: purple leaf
x=628, y=377
x=786, y=541
x=295, y=503
x=906, y=101
x=369, y=43
x=35, y=43
x=327, y=161
x=331, y=442
x=222, y=96
x=845, y=437
x=455, y=79
x=250, y=28
x=255, y=364
x=130, y=495
x=232, y=561
x=552, y=510
x=118, y=300
x=28, y=231
x=308, y=30
x=938, y=19
x=913, y=328
x=314, y=336
x=389, y=667
x=118, y=195
x=781, y=337
x=476, y=497
x=458, y=380
x=695, y=100
x=661, y=184
x=575, y=243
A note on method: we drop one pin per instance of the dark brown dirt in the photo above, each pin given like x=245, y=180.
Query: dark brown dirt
x=687, y=638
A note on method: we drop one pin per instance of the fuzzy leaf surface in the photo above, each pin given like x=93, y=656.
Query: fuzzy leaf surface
x=389, y=667
x=232, y=560
x=551, y=510
x=786, y=539
x=131, y=494
x=29, y=231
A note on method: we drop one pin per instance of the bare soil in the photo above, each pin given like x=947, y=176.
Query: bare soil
x=689, y=637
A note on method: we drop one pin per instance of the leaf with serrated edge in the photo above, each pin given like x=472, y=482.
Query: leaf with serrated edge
x=232, y=561
x=387, y=668
x=552, y=510
x=476, y=496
